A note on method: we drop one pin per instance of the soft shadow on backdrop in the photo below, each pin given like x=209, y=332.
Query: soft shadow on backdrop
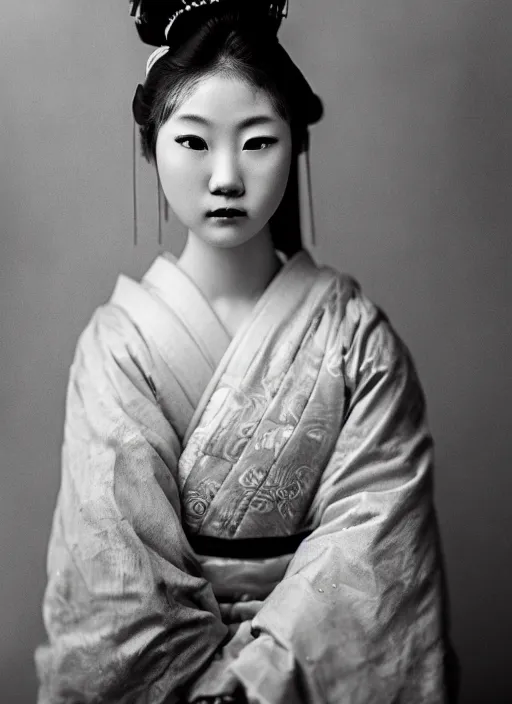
x=412, y=177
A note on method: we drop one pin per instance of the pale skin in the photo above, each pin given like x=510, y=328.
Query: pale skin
x=226, y=146
x=226, y=161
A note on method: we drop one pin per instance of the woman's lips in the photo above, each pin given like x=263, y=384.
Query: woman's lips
x=227, y=218
x=226, y=213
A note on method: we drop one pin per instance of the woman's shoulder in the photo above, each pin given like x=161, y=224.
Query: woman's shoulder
x=365, y=329
x=355, y=306
x=111, y=353
x=110, y=330
x=116, y=327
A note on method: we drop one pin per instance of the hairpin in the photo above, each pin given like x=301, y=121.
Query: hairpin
x=157, y=54
x=276, y=9
x=279, y=8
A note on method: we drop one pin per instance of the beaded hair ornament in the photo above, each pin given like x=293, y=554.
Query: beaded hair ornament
x=154, y=20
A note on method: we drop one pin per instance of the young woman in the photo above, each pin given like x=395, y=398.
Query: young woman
x=245, y=511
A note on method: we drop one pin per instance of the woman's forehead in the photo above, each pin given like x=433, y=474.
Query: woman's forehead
x=221, y=99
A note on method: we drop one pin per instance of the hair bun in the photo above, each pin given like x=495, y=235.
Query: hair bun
x=139, y=107
x=152, y=17
x=315, y=110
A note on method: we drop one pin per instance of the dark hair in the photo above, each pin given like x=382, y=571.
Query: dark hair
x=244, y=44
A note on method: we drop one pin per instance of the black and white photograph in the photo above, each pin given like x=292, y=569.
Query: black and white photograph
x=256, y=388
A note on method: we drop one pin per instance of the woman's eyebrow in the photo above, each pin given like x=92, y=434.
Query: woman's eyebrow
x=248, y=122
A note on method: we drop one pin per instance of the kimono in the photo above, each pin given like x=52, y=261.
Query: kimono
x=291, y=463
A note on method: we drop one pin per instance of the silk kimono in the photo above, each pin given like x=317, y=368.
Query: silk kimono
x=186, y=451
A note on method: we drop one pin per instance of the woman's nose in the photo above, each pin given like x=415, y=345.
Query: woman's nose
x=225, y=176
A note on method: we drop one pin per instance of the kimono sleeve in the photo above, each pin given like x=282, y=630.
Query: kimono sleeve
x=358, y=615
x=129, y=617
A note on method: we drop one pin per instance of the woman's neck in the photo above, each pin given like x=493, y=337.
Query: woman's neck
x=235, y=276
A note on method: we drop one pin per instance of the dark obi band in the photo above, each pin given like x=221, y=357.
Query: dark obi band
x=247, y=548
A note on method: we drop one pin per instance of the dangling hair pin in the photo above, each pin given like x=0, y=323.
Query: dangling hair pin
x=142, y=11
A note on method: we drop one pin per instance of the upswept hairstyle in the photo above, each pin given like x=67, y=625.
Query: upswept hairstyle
x=243, y=44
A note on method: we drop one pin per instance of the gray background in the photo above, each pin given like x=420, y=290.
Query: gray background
x=412, y=171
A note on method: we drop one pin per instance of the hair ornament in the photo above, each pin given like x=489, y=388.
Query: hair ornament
x=275, y=9
x=157, y=23
x=187, y=7
x=157, y=54
x=154, y=18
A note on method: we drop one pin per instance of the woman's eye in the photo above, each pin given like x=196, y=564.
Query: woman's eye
x=191, y=142
x=258, y=143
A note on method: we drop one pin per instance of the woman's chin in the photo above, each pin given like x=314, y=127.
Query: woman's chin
x=225, y=235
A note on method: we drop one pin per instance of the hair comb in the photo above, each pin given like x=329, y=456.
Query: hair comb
x=154, y=18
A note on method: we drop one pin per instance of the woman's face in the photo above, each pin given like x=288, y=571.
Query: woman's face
x=224, y=147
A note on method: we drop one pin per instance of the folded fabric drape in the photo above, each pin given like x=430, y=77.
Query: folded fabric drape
x=311, y=419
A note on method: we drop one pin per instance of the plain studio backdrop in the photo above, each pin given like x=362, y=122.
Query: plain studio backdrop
x=412, y=180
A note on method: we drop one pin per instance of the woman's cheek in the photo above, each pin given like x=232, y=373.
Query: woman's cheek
x=279, y=168
x=178, y=181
